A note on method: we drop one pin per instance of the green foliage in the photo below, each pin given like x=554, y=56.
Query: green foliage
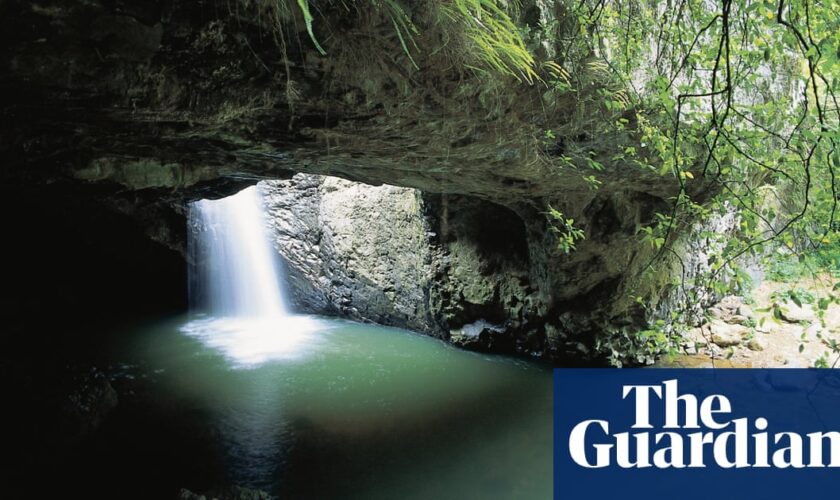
x=495, y=41
x=797, y=295
x=734, y=98
x=624, y=347
x=307, y=19
x=784, y=268
x=732, y=103
x=568, y=234
x=832, y=352
x=816, y=259
x=737, y=94
x=655, y=234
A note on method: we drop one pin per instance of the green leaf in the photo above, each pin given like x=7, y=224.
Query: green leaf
x=307, y=19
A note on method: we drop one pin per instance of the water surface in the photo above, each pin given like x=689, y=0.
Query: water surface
x=322, y=408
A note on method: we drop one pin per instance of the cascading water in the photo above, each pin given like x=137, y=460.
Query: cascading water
x=235, y=284
x=308, y=407
x=234, y=271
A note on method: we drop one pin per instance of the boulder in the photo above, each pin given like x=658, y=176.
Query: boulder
x=726, y=335
x=731, y=303
x=480, y=335
x=793, y=313
x=729, y=310
x=746, y=311
x=757, y=344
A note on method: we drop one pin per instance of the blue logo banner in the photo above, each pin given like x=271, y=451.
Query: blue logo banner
x=696, y=433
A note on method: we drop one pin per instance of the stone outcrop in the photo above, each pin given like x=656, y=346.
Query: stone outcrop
x=482, y=275
x=355, y=250
x=232, y=493
x=183, y=100
x=144, y=106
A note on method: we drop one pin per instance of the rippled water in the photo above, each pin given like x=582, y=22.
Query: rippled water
x=324, y=408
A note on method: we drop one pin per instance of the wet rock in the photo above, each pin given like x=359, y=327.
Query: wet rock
x=480, y=335
x=434, y=263
x=232, y=493
x=88, y=402
x=554, y=337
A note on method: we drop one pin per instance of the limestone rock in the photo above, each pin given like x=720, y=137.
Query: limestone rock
x=479, y=335
x=813, y=332
x=433, y=263
x=729, y=309
x=694, y=335
x=692, y=339
x=726, y=340
x=731, y=303
x=726, y=335
x=757, y=344
x=738, y=320
x=766, y=328
x=792, y=313
x=746, y=311
x=356, y=250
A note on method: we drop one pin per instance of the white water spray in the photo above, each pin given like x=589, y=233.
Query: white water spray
x=235, y=270
x=235, y=281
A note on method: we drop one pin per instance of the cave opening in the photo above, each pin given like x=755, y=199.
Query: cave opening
x=230, y=377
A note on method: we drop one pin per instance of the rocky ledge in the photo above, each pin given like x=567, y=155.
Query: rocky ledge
x=145, y=106
x=482, y=275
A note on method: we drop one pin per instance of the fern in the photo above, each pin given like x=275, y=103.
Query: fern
x=495, y=42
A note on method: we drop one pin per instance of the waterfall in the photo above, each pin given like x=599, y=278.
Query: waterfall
x=234, y=271
x=236, y=283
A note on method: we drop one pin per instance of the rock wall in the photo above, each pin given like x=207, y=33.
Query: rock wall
x=453, y=267
x=144, y=106
x=355, y=250
x=479, y=274
x=176, y=100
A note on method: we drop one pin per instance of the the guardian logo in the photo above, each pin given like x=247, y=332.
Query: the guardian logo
x=694, y=433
